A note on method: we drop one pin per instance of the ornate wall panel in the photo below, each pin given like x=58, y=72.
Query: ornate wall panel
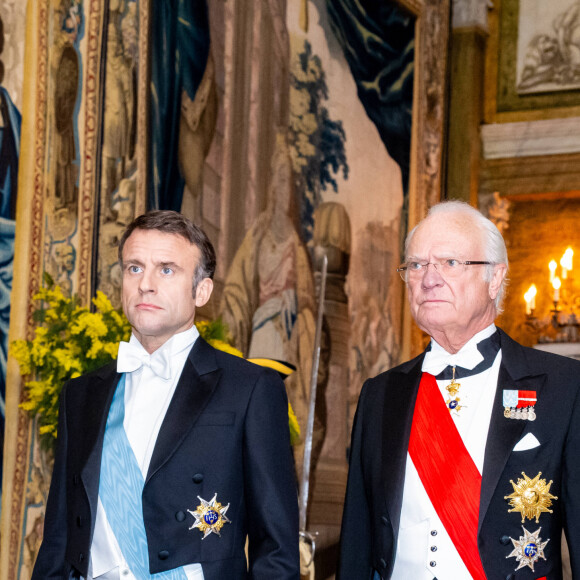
x=296, y=168
x=57, y=221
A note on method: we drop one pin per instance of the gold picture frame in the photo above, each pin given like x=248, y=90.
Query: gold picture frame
x=503, y=103
x=48, y=219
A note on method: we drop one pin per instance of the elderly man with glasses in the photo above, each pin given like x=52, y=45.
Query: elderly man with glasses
x=465, y=461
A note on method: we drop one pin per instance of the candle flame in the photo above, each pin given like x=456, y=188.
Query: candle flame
x=531, y=293
x=530, y=298
x=552, y=265
x=556, y=283
x=566, y=261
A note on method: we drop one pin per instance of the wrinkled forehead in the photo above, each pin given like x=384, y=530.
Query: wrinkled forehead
x=445, y=236
x=160, y=246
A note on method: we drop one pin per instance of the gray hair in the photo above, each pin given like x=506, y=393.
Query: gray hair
x=493, y=243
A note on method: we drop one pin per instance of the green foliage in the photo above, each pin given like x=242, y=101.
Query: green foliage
x=69, y=341
x=214, y=330
x=316, y=141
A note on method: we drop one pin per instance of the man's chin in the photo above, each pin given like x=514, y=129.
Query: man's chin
x=145, y=318
x=148, y=328
x=433, y=320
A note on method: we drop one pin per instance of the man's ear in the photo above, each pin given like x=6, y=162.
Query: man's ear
x=203, y=292
x=499, y=273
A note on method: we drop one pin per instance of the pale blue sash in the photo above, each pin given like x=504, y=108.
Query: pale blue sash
x=120, y=491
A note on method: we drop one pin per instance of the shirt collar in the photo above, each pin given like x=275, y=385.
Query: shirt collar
x=472, y=342
x=176, y=344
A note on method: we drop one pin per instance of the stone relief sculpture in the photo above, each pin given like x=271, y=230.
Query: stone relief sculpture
x=552, y=57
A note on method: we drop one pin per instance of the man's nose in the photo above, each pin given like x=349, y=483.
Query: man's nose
x=147, y=282
x=431, y=276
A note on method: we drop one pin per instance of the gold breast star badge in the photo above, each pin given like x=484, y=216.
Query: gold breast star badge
x=531, y=497
x=528, y=549
x=210, y=516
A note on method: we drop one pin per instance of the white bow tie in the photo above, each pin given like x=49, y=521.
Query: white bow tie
x=437, y=359
x=132, y=358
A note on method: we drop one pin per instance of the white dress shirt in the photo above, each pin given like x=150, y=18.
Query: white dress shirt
x=424, y=548
x=147, y=397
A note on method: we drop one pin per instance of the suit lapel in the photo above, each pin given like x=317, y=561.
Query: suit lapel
x=102, y=390
x=504, y=433
x=397, y=421
x=194, y=390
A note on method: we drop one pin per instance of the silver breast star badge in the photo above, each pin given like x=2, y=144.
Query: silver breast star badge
x=528, y=549
x=210, y=516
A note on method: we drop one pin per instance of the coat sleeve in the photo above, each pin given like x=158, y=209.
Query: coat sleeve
x=270, y=483
x=50, y=562
x=355, y=538
x=571, y=488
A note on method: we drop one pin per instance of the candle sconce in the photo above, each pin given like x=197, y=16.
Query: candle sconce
x=558, y=327
x=561, y=322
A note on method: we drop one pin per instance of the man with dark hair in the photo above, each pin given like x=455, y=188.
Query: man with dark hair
x=168, y=458
x=465, y=460
x=175, y=223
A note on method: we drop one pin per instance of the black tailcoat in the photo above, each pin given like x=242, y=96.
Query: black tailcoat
x=378, y=458
x=225, y=432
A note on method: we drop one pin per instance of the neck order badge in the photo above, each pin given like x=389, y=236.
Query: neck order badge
x=453, y=401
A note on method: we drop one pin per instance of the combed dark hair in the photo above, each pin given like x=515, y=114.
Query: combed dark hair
x=172, y=222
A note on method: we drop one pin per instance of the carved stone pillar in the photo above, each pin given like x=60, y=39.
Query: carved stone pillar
x=467, y=57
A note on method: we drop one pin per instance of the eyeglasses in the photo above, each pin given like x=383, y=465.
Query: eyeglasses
x=448, y=268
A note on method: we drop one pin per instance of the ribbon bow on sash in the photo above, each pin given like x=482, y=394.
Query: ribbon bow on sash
x=132, y=358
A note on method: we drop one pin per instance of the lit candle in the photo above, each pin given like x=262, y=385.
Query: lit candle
x=552, y=265
x=566, y=262
x=556, y=283
x=530, y=298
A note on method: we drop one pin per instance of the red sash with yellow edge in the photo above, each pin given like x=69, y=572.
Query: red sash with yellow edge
x=451, y=479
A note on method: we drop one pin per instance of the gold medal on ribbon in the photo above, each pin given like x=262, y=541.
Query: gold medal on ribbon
x=531, y=497
x=453, y=401
x=519, y=404
x=210, y=516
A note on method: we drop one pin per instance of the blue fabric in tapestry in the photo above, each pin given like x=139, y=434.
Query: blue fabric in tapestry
x=9, y=154
x=378, y=41
x=180, y=50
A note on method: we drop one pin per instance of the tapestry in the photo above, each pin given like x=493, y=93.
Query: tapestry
x=296, y=133
x=10, y=122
